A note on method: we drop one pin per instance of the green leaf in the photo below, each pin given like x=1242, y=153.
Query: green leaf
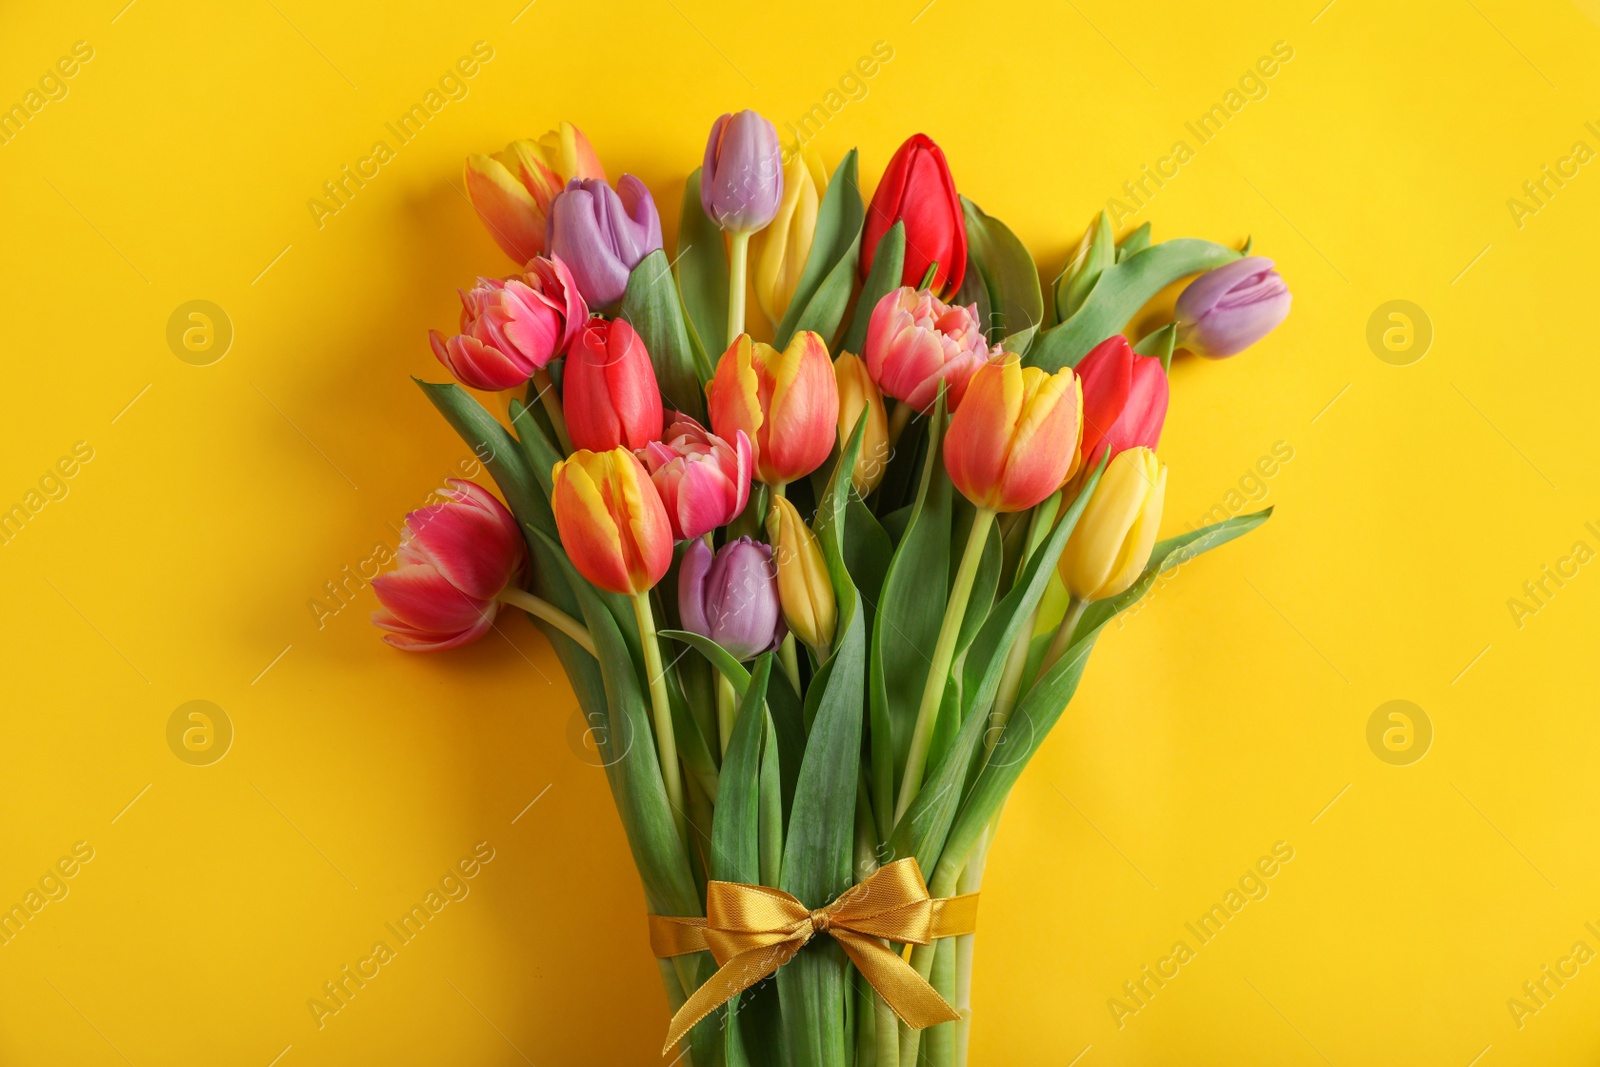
x=819, y=845
x=984, y=584
x=651, y=306
x=1159, y=343
x=735, y=829
x=1095, y=254
x=921, y=831
x=1134, y=243
x=867, y=550
x=824, y=287
x=907, y=625
x=1010, y=277
x=1038, y=709
x=884, y=277
x=720, y=657
x=772, y=808
x=702, y=272
x=498, y=451
x=1121, y=290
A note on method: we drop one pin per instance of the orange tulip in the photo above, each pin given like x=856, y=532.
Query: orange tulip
x=786, y=402
x=1012, y=441
x=512, y=190
x=611, y=520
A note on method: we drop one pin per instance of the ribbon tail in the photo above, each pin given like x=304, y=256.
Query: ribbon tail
x=908, y=994
x=732, y=978
x=671, y=936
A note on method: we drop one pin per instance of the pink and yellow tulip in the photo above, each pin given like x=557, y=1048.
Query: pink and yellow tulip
x=786, y=403
x=1012, y=441
x=512, y=189
x=611, y=520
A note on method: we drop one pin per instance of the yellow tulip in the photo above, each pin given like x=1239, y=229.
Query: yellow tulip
x=804, y=588
x=1111, y=544
x=859, y=397
x=786, y=242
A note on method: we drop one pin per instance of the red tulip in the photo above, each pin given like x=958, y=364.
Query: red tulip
x=455, y=559
x=703, y=480
x=1124, y=400
x=609, y=394
x=918, y=189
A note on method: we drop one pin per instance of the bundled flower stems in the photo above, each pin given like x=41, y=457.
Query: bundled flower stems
x=821, y=596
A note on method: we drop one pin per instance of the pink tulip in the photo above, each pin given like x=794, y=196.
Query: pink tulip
x=455, y=559
x=703, y=480
x=915, y=341
x=511, y=328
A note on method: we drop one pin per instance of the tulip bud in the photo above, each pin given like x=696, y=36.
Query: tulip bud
x=786, y=402
x=1124, y=400
x=611, y=521
x=455, y=558
x=915, y=341
x=511, y=328
x=603, y=233
x=741, y=180
x=703, y=480
x=858, y=398
x=1011, y=442
x=609, y=393
x=1110, y=546
x=918, y=190
x=1226, y=310
x=786, y=243
x=731, y=598
x=512, y=189
x=804, y=588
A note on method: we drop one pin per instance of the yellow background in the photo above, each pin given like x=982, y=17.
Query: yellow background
x=1223, y=717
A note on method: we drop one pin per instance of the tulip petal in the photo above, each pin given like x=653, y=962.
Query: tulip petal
x=507, y=208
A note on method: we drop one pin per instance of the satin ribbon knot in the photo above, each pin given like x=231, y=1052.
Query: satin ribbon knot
x=752, y=930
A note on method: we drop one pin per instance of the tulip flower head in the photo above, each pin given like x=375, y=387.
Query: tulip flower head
x=1124, y=400
x=703, y=480
x=611, y=521
x=511, y=328
x=859, y=398
x=1108, y=549
x=731, y=597
x=455, y=558
x=512, y=190
x=741, y=180
x=602, y=233
x=1011, y=442
x=915, y=341
x=786, y=243
x=805, y=590
x=918, y=190
x=786, y=403
x=610, y=397
x=1226, y=310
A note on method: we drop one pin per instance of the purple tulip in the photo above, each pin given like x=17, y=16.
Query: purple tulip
x=602, y=233
x=741, y=181
x=1225, y=311
x=731, y=597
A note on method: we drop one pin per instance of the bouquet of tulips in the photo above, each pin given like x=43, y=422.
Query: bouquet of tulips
x=820, y=599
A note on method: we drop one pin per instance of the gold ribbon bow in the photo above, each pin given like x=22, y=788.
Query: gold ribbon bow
x=752, y=930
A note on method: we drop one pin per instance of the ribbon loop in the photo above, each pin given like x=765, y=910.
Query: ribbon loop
x=752, y=930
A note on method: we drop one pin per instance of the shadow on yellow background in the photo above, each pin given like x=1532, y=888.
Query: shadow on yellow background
x=210, y=540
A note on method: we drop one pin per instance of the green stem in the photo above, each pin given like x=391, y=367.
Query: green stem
x=552, y=407
x=543, y=609
x=727, y=710
x=897, y=421
x=1063, y=638
x=666, y=741
x=738, y=257
x=943, y=652
x=971, y=881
